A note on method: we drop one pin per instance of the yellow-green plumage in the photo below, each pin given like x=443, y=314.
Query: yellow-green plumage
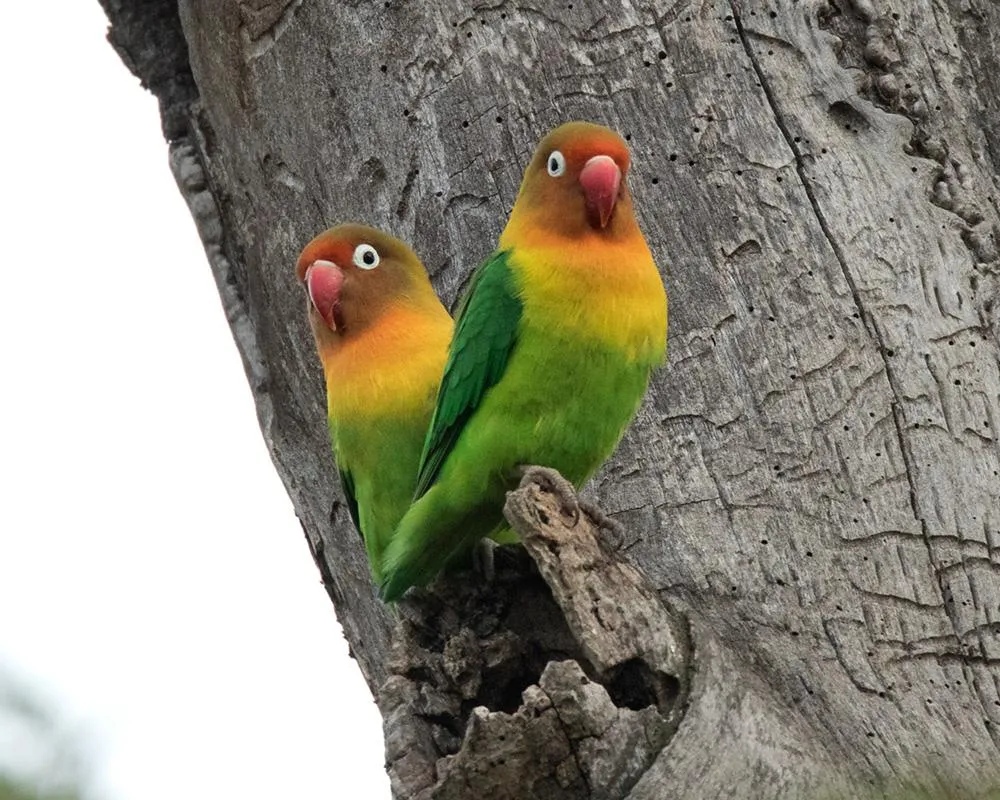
x=382, y=337
x=552, y=353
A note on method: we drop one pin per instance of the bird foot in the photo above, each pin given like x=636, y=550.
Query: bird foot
x=483, y=559
x=610, y=530
x=552, y=482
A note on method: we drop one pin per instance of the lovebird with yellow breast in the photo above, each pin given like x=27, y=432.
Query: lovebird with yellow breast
x=382, y=337
x=554, y=344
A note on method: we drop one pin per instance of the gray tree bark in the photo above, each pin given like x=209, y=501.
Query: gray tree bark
x=812, y=489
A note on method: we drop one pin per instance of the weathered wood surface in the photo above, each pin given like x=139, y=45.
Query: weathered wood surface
x=563, y=683
x=815, y=478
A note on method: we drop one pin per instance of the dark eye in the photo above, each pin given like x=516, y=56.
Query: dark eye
x=366, y=256
x=557, y=164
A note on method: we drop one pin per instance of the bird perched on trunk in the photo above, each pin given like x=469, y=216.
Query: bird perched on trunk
x=554, y=345
x=382, y=336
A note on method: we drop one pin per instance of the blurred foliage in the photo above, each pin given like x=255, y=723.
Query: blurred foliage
x=40, y=758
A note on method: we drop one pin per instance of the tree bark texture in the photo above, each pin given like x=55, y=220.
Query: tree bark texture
x=812, y=488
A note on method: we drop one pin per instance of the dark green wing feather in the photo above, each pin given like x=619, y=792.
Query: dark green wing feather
x=347, y=484
x=485, y=332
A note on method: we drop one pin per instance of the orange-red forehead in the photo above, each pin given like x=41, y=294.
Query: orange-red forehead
x=579, y=142
x=326, y=247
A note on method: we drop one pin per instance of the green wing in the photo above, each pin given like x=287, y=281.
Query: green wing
x=347, y=484
x=485, y=332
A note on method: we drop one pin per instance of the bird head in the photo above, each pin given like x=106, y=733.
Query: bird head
x=352, y=274
x=576, y=183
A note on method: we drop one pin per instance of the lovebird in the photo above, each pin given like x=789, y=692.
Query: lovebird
x=382, y=336
x=555, y=341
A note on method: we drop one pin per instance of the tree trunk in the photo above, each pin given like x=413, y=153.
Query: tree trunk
x=812, y=485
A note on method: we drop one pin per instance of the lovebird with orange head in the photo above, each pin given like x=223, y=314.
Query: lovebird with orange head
x=555, y=341
x=382, y=337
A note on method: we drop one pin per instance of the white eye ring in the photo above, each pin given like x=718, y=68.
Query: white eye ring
x=556, y=164
x=366, y=257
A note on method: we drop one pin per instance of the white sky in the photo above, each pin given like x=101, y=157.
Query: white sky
x=154, y=582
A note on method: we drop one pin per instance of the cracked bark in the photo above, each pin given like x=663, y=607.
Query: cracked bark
x=813, y=485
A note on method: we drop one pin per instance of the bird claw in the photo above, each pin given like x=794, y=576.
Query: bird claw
x=554, y=483
x=611, y=531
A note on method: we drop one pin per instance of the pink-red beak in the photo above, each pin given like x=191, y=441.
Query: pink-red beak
x=601, y=181
x=324, y=280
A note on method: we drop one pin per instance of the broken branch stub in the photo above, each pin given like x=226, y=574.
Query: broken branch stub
x=632, y=639
x=565, y=688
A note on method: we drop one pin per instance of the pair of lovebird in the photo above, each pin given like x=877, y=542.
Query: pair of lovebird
x=548, y=360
